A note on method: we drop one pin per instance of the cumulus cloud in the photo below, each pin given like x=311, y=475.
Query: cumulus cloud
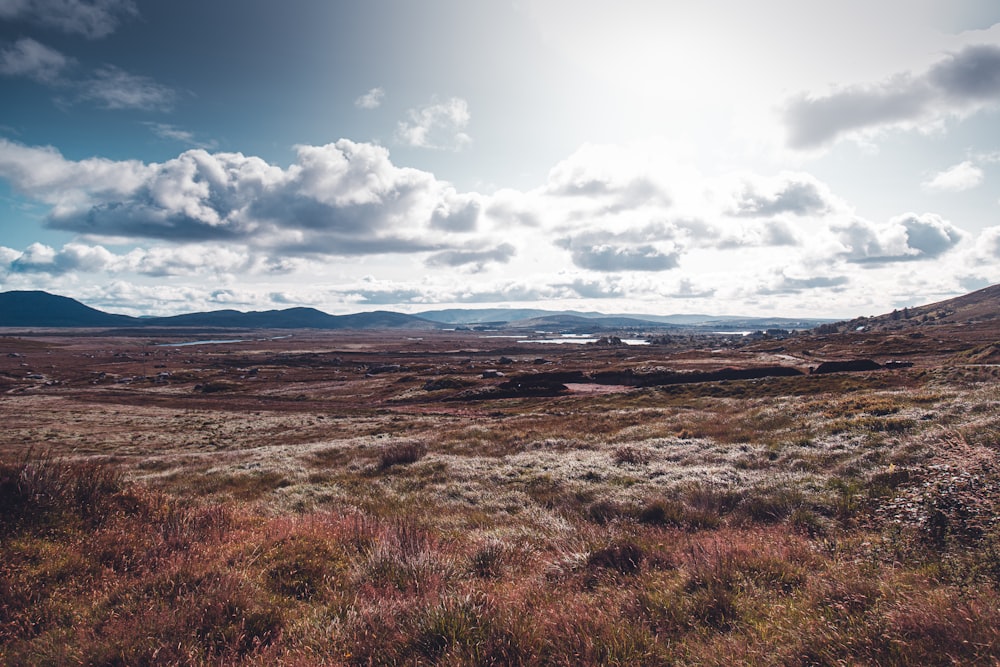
x=958, y=85
x=785, y=284
x=33, y=60
x=795, y=194
x=92, y=19
x=962, y=176
x=988, y=245
x=228, y=215
x=509, y=208
x=459, y=213
x=159, y=261
x=372, y=291
x=69, y=186
x=476, y=259
x=687, y=289
x=39, y=258
x=343, y=199
x=906, y=238
x=595, y=289
x=757, y=233
x=439, y=125
x=370, y=100
x=615, y=257
x=609, y=177
x=114, y=88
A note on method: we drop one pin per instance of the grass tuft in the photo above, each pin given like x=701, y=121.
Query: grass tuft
x=400, y=453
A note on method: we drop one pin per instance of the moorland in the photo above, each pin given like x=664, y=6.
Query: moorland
x=443, y=497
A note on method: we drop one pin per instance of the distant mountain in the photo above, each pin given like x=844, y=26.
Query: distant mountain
x=384, y=319
x=292, y=318
x=41, y=309
x=522, y=317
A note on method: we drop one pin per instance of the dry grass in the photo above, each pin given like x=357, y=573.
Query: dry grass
x=786, y=521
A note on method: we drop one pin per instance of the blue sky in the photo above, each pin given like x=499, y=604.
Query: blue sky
x=768, y=158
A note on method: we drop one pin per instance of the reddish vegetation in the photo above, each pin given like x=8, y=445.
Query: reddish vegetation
x=335, y=498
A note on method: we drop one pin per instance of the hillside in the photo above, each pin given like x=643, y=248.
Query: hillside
x=41, y=309
x=975, y=308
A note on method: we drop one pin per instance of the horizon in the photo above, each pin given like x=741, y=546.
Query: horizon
x=778, y=160
x=419, y=313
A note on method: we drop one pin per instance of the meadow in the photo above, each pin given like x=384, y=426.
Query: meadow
x=359, y=499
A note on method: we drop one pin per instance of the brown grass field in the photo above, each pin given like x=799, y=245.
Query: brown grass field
x=338, y=498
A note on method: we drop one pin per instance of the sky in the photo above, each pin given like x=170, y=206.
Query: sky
x=774, y=158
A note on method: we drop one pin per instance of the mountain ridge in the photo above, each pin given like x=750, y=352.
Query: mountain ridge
x=43, y=309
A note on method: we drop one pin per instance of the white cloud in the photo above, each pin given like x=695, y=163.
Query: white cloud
x=652, y=232
x=987, y=249
x=613, y=177
x=905, y=238
x=340, y=199
x=173, y=133
x=439, y=125
x=68, y=186
x=790, y=193
x=371, y=100
x=40, y=258
x=33, y=60
x=473, y=259
x=114, y=88
x=962, y=176
x=92, y=19
x=958, y=85
x=632, y=250
x=107, y=86
x=158, y=261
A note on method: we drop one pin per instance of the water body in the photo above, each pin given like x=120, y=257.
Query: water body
x=202, y=342
x=578, y=340
x=218, y=341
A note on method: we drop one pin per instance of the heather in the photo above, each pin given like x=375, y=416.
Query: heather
x=835, y=519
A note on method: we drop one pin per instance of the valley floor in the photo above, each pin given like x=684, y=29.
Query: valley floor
x=446, y=498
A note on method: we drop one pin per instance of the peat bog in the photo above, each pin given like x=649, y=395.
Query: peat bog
x=441, y=497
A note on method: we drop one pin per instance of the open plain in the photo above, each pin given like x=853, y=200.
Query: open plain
x=456, y=497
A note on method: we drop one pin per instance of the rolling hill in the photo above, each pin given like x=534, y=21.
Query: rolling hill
x=981, y=306
x=41, y=309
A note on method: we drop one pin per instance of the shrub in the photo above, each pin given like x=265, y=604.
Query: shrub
x=624, y=557
x=768, y=507
x=449, y=623
x=487, y=561
x=663, y=513
x=602, y=512
x=629, y=455
x=38, y=491
x=400, y=453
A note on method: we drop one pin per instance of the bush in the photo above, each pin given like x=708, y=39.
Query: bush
x=40, y=491
x=662, y=513
x=629, y=455
x=488, y=560
x=624, y=557
x=401, y=453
